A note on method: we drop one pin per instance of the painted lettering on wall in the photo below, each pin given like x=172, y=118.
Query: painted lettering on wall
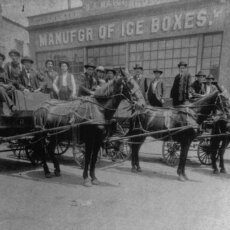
x=181, y=21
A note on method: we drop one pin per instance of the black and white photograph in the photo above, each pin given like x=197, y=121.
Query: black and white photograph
x=115, y=114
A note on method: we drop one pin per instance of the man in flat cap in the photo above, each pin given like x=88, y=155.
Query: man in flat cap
x=156, y=89
x=6, y=88
x=198, y=86
x=89, y=81
x=181, y=86
x=110, y=74
x=30, y=77
x=140, y=79
x=14, y=69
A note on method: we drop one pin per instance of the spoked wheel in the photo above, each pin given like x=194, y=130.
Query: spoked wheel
x=204, y=152
x=18, y=149
x=34, y=158
x=79, y=155
x=62, y=147
x=171, y=152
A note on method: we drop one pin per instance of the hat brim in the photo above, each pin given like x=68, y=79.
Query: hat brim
x=198, y=75
x=64, y=62
x=157, y=71
x=185, y=65
x=138, y=68
x=27, y=60
x=92, y=66
x=14, y=52
x=111, y=70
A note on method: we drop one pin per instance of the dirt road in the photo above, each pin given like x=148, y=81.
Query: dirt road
x=153, y=199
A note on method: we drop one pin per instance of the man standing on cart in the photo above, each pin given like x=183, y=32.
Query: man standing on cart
x=181, y=86
x=6, y=88
x=14, y=70
x=89, y=81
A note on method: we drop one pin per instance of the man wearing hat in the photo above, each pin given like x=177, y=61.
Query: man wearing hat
x=156, y=89
x=181, y=85
x=100, y=72
x=110, y=74
x=6, y=88
x=198, y=86
x=14, y=69
x=49, y=76
x=30, y=77
x=140, y=79
x=88, y=81
x=209, y=86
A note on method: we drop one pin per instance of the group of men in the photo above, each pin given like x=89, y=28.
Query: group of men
x=19, y=74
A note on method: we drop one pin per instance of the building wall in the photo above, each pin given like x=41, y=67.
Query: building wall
x=14, y=36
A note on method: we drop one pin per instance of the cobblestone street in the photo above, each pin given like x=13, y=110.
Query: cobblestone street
x=153, y=199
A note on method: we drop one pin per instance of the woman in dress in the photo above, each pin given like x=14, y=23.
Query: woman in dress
x=64, y=84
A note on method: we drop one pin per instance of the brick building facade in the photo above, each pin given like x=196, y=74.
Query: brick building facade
x=151, y=33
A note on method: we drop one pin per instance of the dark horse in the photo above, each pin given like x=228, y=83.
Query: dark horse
x=218, y=144
x=92, y=114
x=187, y=118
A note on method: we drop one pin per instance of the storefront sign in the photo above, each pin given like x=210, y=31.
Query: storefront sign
x=121, y=4
x=136, y=28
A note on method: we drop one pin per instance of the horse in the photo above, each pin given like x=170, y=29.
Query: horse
x=218, y=144
x=187, y=118
x=92, y=114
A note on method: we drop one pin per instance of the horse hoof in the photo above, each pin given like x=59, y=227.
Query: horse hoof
x=48, y=175
x=95, y=181
x=185, y=177
x=223, y=171
x=216, y=171
x=133, y=170
x=139, y=169
x=181, y=178
x=57, y=173
x=87, y=182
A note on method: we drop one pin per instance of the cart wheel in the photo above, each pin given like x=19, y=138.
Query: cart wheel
x=62, y=147
x=79, y=155
x=204, y=152
x=18, y=149
x=171, y=152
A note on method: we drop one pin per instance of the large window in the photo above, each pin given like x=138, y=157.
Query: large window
x=211, y=54
x=108, y=56
x=75, y=57
x=165, y=54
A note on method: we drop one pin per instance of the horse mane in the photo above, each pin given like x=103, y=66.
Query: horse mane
x=203, y=101
x=106, y=89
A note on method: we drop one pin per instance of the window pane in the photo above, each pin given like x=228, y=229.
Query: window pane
x=185, y=42
x=169, y=44
x=161, y=45
x=90, y=52
x=185, y=52
x=194, y=42
x=216, y=51
x=146, y=55
x=161, y=54
x=206, y=63
x=133, y=57
x=154, y=45
x=176, y=53
x=208, y=40
x=153, y=55
x=133, y=48
x=193, y=52
x=168, y=63
x=207, y=52
x=192, y=62
x=169, y=54
x=177, y=43
x=140, y=47
x=147, y=46
x=217, y=39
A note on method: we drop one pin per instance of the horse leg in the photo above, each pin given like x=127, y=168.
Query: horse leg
x=140, y=141
x=88, y=153
x=40, y=149
x=185, y=144
x=96, y=148
x=214, y=149
x=221, y=154
x=50, y=148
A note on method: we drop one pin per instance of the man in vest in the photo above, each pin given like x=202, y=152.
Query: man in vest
x=30, y=78
x=14, y=69
x=181, y=86
x=89, y=81
x=49, y=76
x=6, y=88
x=140, y=79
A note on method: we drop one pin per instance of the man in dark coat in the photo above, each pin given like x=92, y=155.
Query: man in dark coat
x=181, y=86
x=14, y=69
x=198, y=86
x=30, y=77
x=6, y=88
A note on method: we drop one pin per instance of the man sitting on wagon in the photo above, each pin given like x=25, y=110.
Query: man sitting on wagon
x=6, y=88
x=30, y=77
x=198, y=87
